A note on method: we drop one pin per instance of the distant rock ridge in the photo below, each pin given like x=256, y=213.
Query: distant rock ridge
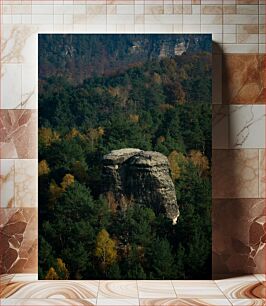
x=132, y=176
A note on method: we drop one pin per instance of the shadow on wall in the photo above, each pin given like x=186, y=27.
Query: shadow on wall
x=238, y=208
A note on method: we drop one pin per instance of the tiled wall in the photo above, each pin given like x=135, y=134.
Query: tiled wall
x=238, y=28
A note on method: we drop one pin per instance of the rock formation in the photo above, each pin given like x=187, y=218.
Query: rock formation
x=132, y=176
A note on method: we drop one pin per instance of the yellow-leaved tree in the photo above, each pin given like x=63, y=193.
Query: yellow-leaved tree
x=51, y=274
x=200, y=161
x=68, y=180
x=59, y=272
x=176, y=159
x=105, y=250
x=61, y=269
x=43, y=167
x=47, y=136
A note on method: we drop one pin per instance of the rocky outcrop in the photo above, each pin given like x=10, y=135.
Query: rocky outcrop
x=132, y=176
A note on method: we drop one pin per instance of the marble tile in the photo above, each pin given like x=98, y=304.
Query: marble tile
x=247, y=126
x=247, y=1
x=242, y=287
x=17, y=42
x=211, y=9
x=197, y=289
x=248, y=302
x=29, y=99
x=240, y=49
x=11, y=86
x=7, y=183
x=247, y=9
x=262, y=172
x=184, y=302
x=235, y=173
x=220, y=126
x=5, y=279
x=238, y=235
x=51, y=290
x=26, y=176
x=48, y=302
x=18, y=233
x=248, y=29
x=118, y=290
x=25, y=277
x=260, y=277
x=156, y=289
x=243, y=79
x=18, y=130
x=117, y=302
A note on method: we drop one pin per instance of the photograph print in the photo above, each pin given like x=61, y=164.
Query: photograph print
x=124, y=169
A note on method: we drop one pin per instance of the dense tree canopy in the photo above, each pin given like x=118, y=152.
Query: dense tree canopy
x=161, y=105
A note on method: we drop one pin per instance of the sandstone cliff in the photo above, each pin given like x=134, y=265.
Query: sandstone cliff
x=132, y=176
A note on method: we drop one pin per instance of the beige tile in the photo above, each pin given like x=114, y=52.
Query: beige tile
x=139, y=19
x=17, y=43
x=153, y=9
x=248, y=29
x=178, y=9
x=29, y=96
x=156, y=289
x=168, y=9
x=10, y=85
x=7, y=183
x=229, y=38
x=117, y=302
x=196, y=9
x=247, y=38
x=125, y=9
x=121, y=19
x=139, y=8
x=187, y=9
x=48, y=302
x=96, y=9
x=248, y=302
x=208, y=28
x=247, y=9
x=247, y=1
x=240, y=48
x=42, y=9
x=241, y=287
x=240, y=19
x=235, y=173
x=118, y=290
x=183, y=302
x=191, y=28
x=262, y=9
x=18, y=129
x=262, y=173
x=211, y=19
x=42, y=19
x=26, y=176
x=25, y=277
x=229, y=9
x=111, y=10
x=197, y=289
x=52, y=290
x=229, y=29
x=247, y=126
x=260, y=277
x=21, y=9
x=211, y=9
x=191, y=19
x=163, y=19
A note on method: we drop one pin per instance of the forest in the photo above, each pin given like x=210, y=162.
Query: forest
x=163, y=105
